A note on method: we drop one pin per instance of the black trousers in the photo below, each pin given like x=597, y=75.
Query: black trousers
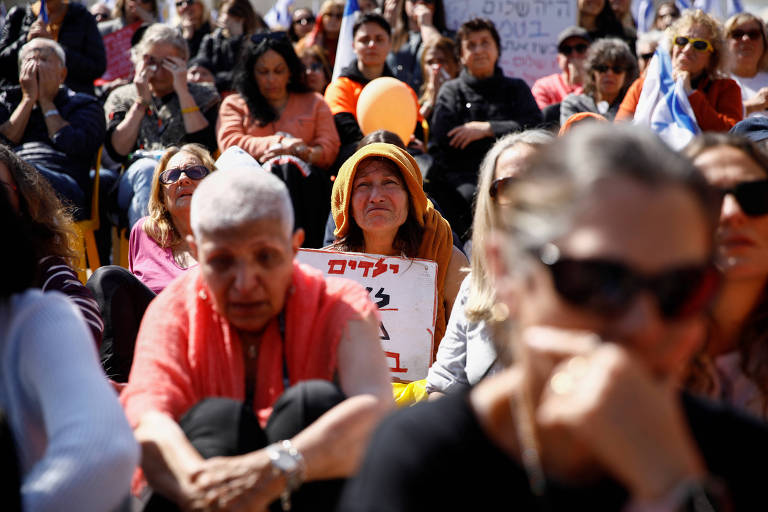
x=122, y=300
x=225, y=427
x=10, y=483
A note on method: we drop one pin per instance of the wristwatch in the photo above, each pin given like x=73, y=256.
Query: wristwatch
x=288, y=462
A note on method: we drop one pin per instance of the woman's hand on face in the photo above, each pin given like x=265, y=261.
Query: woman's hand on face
x=422, y=14
x=620, y=415
x=141, y=79
x=178, y=68
x=758, y=103
x=686, y=76
x=389, y=11
x=462, y=136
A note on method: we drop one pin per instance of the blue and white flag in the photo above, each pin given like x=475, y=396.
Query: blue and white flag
x=279, y=16
x=664, y=105
x=344, y=52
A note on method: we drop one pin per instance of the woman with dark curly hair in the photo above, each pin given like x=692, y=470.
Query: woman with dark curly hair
x=610, y=69
x=734, y=366
x=54, y=234
x=274, y=113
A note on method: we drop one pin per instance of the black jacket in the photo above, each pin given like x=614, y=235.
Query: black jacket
x=223, y=53
x=506, y=102
x=78, y=35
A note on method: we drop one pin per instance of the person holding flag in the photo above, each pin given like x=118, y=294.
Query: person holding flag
x=697, y=50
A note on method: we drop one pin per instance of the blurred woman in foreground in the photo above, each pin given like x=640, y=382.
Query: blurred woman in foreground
x=604, y=269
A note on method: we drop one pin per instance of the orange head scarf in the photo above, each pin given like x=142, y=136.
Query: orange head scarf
x=437, y=240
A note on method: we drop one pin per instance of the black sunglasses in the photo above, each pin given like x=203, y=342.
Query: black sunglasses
x=182, y=3
x=753, y=34
x=304, y=21
x=568, y=49
x=602, y=68
x=698, y=44
x=258, y=37
x=608, y=287
x=647, y=56
x=752, y=196
x=498, y=190
x=194, y=172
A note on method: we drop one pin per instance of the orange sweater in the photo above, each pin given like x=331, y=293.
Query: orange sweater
x=716, y=103
x=305, y=116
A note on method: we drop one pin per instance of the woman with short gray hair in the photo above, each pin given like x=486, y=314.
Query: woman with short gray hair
x=158, y=110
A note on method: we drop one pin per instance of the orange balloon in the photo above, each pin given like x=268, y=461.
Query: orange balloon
x=386, y=103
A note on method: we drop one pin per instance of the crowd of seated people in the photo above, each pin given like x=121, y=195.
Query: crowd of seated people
x=573, y=269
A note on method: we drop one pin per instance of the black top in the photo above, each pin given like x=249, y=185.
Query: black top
x=223, y=53
x=506, y=102
x=78, y=35
x=197, y=38
x=434, y=456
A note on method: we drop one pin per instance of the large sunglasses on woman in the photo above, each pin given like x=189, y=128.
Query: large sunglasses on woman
x=194, y=172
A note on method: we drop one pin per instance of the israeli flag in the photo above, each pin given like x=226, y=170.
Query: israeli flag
x=344, y=53
x=279, y=16
x=664, y=105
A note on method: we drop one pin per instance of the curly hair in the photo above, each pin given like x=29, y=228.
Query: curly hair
x=52, y=229
x=745, y=17
x=753, y=338
x=245, y=83
x=409, y=234
x=159, y=225
x=610, y=51
x=692, y=17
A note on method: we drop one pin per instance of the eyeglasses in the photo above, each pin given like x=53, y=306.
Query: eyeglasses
x=602, y=68
x=499, y=188
x=304, y=21
x=314, y=67
x=608, y=287
x=258, y=37
x=337, y=15
x=566, y=49
x=193, y=172
x=647, y=56
x=752, y=196
x=698, y=44
x=183, y=3
x=753, y=34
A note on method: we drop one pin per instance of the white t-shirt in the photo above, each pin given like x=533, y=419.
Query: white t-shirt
x=750, y=87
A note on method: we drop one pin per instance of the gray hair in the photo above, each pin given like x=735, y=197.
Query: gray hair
x=651, y=37
x=233, y=197
x=42, y=42
x=481, y=295
x=159, y=33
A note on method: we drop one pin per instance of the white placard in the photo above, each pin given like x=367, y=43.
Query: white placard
x=405, y=291
x=528, y=31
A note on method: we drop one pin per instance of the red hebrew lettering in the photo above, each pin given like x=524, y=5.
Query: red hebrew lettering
x=337, y=266
x=394, y=267
x=352, y=264
x=366, y=266
x=379, y=268
x=396, y=357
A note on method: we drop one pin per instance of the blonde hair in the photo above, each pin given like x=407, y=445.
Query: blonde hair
x=746, y=17
x=481, y=295
x=159, y=224
x=692, y=17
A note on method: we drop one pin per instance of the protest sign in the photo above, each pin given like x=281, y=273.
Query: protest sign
x=405, y=291
x=118, y=47
x=528, y=31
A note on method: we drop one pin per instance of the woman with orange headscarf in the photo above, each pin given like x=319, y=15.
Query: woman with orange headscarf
x=379, y=207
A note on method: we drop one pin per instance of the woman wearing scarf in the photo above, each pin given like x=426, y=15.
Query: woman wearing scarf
x=379, y=207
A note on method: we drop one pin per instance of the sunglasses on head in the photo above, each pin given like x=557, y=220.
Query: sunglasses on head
x=304, y=21
x=499, y=188
x=607, y=287
x=701, y=45
x=752, y=196
x=566, y=49
x=182, y=3
x=753, y=34
x=194, y=172
x=602, y=68
x=258, y=37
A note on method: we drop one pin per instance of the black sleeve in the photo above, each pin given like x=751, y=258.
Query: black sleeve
x=349, y=130
x=527, y=113
x=12, y=38
x=115, y=118
x=89, y=61
x=206, y=136
x=444, y=118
